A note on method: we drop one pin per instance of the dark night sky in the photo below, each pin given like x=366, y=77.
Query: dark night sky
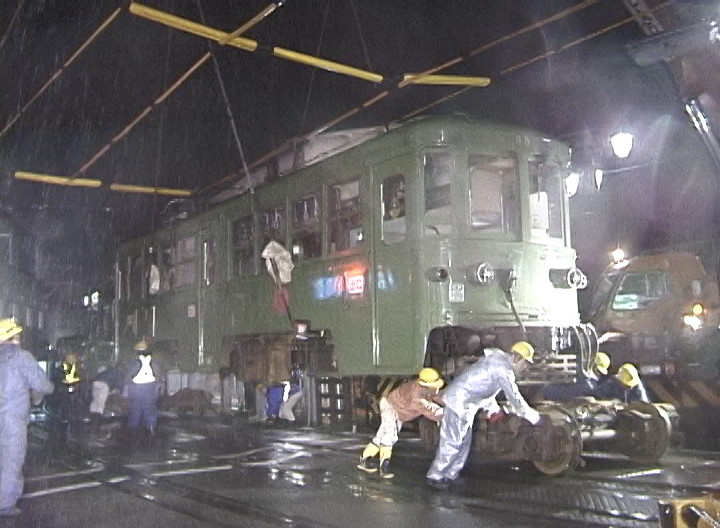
x=187, y=142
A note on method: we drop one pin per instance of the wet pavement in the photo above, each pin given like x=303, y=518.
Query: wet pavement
x=231, y=472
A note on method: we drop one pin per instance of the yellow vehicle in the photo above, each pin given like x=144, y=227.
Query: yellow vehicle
x=661, y=313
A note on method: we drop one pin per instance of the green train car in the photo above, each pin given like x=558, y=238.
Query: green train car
x=410, y=249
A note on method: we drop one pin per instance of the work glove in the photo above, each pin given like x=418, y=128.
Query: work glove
x=496, y=417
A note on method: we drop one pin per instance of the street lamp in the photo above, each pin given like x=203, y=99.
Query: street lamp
x=622, y=144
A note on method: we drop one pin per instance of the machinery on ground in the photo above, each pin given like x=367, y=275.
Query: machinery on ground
x=661, y=312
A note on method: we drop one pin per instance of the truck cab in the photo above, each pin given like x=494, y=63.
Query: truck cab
x=659, y=312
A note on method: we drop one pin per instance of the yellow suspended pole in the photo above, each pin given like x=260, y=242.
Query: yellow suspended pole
x=446, y=80
x=141, y=189
x=142, y=114
x=57, y=180
x=246, y=44
x=95, y=184
x=58, y=73
x=249, y=45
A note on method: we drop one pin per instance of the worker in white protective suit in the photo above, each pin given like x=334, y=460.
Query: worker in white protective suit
x=20, y=379
x=476, y=389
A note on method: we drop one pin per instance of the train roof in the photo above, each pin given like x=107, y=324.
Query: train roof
x=309, y=151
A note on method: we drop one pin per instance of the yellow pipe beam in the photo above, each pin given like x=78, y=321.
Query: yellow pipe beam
x=250, y=45
x=95, y=184
x=57, y=180
x=246, y=44
x=446, y=80
x=141, y=189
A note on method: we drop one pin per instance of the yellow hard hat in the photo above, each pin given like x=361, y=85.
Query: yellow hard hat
x=524, y=350
x=141, y=346
x=628, y=375
x=429, y=377
x=8, y=329
x=602, y=362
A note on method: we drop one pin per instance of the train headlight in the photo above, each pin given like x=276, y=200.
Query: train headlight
x=568, y=278
x=483, y=274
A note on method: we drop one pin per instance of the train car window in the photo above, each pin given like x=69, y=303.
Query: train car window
x=307, y=232
x=439, y=169
x=274, y=226
x=136, y=277
x=345, y=217
x=243, y=246
x=637, y=291
x=394, y=225
x=546, y=199
x=494, y=204
x=182, y=272
x=165, y=266
x=209, y=261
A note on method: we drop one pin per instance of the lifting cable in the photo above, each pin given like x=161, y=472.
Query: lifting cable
x=312, y=73
x=406, y=80
x=537, y=58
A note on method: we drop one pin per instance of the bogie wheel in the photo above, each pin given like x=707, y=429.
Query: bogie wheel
x=562, y=433
x=645, y=432
x=567, y=459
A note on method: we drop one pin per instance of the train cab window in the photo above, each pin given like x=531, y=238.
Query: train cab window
x=494, y=207
x=243, y=246
x=438, y=169
x=637, y=291
x=136, y=279
x=273, y=226
x=394, y=225
x=307, y=232
x=183, y=269
x=345, y=217
x=546, y=200
x=165, y=265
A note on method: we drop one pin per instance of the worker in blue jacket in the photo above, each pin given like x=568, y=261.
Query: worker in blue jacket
x=21, y=379
x=625, y=386
x=562, y=392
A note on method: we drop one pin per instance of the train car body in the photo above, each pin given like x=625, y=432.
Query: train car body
x=661, y=312
x=407, y=248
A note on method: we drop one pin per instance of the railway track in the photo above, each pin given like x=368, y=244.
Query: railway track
x=591, y=498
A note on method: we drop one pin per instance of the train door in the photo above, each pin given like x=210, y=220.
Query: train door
x=393, y=264
x=209, y=302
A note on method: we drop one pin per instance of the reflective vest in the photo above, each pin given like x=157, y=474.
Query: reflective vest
x=146, y=374
x=70, y=376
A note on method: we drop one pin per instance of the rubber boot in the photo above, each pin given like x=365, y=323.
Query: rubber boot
x=365, y=463
x=384, y=470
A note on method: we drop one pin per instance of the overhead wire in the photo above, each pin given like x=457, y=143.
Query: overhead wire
x=406, y=80
x=314, y=71
x=106, y=23
x=11, y=23
x=532, y=60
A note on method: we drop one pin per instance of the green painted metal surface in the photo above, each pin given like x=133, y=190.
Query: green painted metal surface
x=376, y=298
